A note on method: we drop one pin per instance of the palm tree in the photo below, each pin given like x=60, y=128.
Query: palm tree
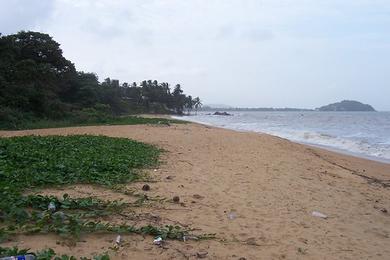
x=189, y=104
x=197, y=104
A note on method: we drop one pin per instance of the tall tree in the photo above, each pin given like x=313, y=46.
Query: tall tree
x=37, y=81
x=197, y=104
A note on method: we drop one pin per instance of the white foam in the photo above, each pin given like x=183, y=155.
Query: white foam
x=363, y=142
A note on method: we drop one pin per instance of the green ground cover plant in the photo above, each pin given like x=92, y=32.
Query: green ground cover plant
x=33, y=162
x=89, y=120
x=46, y=254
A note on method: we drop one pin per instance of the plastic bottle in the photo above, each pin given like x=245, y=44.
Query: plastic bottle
x=52, y=206
x=118, y=239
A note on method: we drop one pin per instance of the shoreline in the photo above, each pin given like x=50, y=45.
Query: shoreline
x=346, y=152
x=256, y=192
x=325, y=147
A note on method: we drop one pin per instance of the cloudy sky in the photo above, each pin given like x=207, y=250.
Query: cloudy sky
x=249, y=53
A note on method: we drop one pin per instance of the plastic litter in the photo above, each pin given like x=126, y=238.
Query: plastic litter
x=51, y=206
x=19, y=257
x=232, y=215
x=118, y=239
x=185, y=238
x=319, y=214
x=158, y=241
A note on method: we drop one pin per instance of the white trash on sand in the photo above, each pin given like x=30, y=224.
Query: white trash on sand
x=232, y=215
x=51, y=206
x=118, y=239
x=158, y=241
x=319, y=215
x=185, y=238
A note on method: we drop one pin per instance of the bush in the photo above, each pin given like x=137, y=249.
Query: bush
x=100, y=113
x=10, y=118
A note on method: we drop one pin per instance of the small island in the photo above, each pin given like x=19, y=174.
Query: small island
x=347, y=105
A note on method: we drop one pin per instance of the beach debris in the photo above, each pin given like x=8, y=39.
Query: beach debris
x=155, y=170
x=302, y=251
x=384, y=210
x=169, y=177
x=197, y=196
x=185, y=238
x=118, y=239
x=232, y=215
x=176, y=199
x=202, y=254
x=319, y=215
x=146, y=187
x=154, y=217
x=251, y=241
x=242, y=258
x=51, y=206
x=158, y=241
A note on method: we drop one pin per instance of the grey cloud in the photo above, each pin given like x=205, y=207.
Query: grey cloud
x=213, y=47
x=98, y=29
x=17, y=15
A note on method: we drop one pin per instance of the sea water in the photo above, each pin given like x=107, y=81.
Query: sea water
x=365, y=134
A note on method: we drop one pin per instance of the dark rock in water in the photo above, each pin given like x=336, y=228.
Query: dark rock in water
x=222, y=114
x=146, y=187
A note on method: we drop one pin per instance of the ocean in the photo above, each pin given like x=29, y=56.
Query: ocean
x=363, y=134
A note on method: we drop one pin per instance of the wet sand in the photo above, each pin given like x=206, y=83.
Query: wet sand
x=256, y=192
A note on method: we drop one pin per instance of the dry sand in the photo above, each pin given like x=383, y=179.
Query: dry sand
x=269, y=185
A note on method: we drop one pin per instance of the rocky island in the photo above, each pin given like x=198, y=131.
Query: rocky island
x=347, y=105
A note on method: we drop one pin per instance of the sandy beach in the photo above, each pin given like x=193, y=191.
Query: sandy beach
x=256, y=192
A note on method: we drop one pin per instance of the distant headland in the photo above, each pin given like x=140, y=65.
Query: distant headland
x=347, y=105
x=264, y=109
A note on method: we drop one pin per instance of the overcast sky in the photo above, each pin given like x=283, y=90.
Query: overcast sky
x=248, y=53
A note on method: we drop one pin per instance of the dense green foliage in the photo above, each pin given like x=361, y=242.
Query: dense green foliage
x=32, y=162
x=38, y=161
x=91, y=120
x=36, y=81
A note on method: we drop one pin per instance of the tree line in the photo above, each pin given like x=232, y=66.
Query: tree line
x=37, y=81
